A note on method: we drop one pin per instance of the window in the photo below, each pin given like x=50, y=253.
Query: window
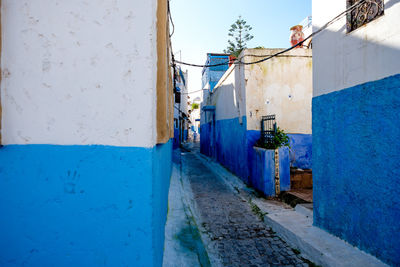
x=363, y=13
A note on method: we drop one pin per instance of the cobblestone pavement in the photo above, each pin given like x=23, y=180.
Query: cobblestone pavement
x=236, y=232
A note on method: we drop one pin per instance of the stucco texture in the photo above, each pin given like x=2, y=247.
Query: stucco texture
x=226, y=140
x=231, y=146
x=300, y=150
x=356, y=166
x=263, y=170
x=80, y=72
x=83, y=205
x=341, y=59
x=281, y=86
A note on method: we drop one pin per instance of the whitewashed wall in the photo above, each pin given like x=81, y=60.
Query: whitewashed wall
x=79, y=72
x=280, y=86
x=369, y=53
x=184, y=95
x=229, y=95
x=196, y=98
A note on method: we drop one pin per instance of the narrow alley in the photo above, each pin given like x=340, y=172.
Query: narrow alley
x=230, y=226
x=174, y=133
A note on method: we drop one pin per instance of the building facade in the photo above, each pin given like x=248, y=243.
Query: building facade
x=181, y=112
x=356, y=127
x=232, y=112
x=86, y=123
x=211, y=76
x=196, y=100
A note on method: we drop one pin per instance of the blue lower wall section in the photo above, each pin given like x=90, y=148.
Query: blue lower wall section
x=231, y=146
x=356, y=166
x=227, y=143
x=262, y=170
x=284, y=168
x=176, y=141
x=83, y=205
x=162, y=167
x=252, y=137
x=301, y=150
x=205, y=139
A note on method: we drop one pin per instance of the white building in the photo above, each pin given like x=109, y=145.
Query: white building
x=196, y=101
x=182, y=109
x=87, y=117
x=232, y=112
x=356, y=162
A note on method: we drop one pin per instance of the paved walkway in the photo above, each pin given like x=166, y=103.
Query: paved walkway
x=231, y=226
x=183, y=245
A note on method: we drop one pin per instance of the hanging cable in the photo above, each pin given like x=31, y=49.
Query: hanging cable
x=240, y=62
x=188, y=93
x=187, y=116
x=170, y=19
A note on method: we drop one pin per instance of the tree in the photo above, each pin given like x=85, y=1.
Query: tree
x=240, y=33
x=195, y=106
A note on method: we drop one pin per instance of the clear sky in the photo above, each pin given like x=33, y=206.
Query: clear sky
x=201, y=26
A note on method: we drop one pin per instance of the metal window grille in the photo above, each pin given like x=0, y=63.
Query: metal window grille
x=268, y=129
x=363, y=13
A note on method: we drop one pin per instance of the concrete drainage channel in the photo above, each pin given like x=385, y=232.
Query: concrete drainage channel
x=206, y=254
x=183, y=241
x=295, y=226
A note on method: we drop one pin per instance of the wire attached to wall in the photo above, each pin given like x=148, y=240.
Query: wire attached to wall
x=268, y=57
x=265, y=57
x=170, y=19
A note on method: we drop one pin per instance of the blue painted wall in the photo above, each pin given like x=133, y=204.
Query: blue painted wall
x=356, y=163
x=162, y=167
x=176, y=141
x=284, y=168
x=212, y=75
x=234, y=149
x=263, y=170
x=83, y=205
x=231, y=146
x=205, y=140
x=301, y=150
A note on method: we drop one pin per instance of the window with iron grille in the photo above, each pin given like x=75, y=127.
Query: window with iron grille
x=268, y=130
x=363, y=13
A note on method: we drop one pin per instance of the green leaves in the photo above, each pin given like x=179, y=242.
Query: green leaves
x=195, y=106
x=280, y=139
x=240, y=33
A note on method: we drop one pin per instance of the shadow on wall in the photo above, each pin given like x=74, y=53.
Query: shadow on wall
x=356, y=135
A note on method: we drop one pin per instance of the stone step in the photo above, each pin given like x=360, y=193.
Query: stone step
x=295, y=197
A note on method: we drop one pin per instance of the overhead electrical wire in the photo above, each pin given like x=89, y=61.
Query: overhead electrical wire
x=239, y=62
x=170, y=19
x=267, y=57
x=188, y=93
